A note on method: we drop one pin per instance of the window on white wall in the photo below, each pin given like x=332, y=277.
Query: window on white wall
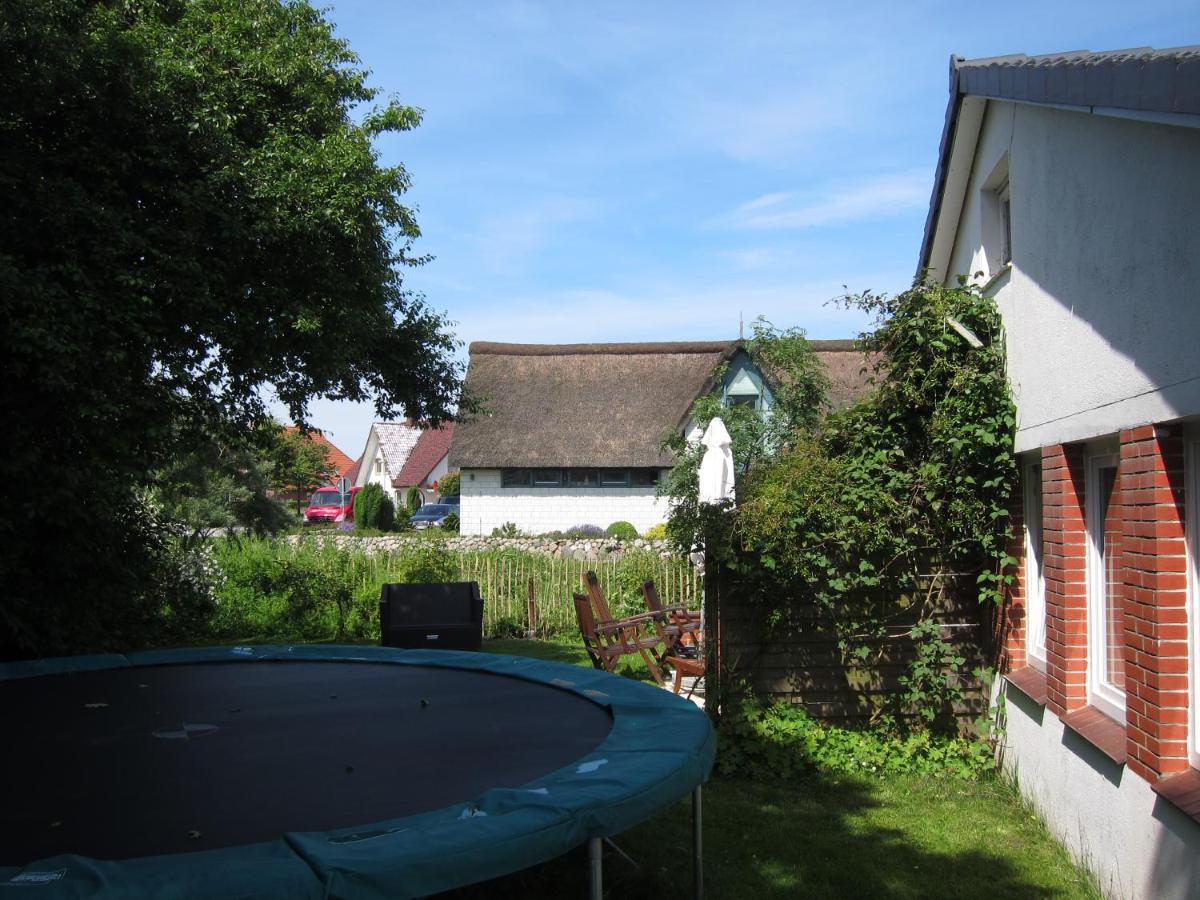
x=1035, y=576
x=1105, y=610
x=995, y=202
x=1193, y=532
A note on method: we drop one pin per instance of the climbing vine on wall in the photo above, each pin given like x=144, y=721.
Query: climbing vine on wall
x=877, y=515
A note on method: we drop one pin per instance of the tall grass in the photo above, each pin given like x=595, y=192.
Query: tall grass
x=310, y=591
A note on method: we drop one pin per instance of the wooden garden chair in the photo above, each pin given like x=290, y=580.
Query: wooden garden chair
x=681, y=628
x=606, y=644
x=678, y=625
x=638, y=632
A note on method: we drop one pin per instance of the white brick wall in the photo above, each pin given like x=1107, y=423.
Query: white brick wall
x=486, y=505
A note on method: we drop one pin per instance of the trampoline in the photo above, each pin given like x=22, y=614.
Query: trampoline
x=319, y=771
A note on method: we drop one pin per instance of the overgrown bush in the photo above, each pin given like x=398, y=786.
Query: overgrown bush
x=783, y=742
x=507, y=530
x=656, y=532
x=862, y=526
x=623, y=530
x=451, y=523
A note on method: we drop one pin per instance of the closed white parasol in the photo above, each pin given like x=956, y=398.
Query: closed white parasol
x=716, y=474
x=716, y=469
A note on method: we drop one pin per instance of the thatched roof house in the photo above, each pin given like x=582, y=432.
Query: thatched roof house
x=572, y=434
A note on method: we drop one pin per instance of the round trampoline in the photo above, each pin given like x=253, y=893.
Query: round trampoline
x=324, y=771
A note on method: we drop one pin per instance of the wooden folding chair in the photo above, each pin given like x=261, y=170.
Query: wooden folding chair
x=680, y=627
x=634, y=634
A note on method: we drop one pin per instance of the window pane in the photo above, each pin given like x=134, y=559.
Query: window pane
x=743, y=400
x=514, y=477
x=614, y=477
x=547, y=477
x=582, y=477
x=1114, y=608
x=1035, y=590
x=644, y=477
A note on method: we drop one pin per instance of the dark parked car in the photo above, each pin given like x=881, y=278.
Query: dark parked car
x=431, y=515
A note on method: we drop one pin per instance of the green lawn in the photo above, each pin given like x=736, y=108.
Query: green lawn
x=826, y=837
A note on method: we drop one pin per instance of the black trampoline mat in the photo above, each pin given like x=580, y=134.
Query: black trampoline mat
x=200, y=756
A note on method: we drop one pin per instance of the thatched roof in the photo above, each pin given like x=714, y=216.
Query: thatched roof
x=602, y=405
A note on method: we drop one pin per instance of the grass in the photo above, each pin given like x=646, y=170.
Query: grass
x=827, y=837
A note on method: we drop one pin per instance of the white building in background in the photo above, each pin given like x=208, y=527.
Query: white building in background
x=571, y=434
x=399, y=455
x=1068, y=186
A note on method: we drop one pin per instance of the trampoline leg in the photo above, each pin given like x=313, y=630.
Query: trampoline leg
x=595, y=857
x=697, y=848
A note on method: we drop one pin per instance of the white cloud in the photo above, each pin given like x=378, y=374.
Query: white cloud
x=875, y=198
x=504, y=242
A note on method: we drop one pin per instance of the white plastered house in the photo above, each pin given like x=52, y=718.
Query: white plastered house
x=400, y=455
x=1068, y=187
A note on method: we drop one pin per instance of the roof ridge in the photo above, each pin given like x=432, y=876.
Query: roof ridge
x=496, y=348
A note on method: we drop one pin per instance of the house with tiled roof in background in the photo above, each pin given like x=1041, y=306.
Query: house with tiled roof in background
x=1068, y=189
x=572, y=434
x=401, y=455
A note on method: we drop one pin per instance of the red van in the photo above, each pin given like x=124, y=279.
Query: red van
x=327, y=505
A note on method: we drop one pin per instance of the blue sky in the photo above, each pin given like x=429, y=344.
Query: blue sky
x=612, y=171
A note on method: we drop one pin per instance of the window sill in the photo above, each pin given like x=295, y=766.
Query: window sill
x=1182, y=791
x=1105, y=734
x=1030, y=682
x=994, y=282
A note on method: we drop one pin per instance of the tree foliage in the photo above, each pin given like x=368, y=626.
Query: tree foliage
x=300, y=464
x=189, y=217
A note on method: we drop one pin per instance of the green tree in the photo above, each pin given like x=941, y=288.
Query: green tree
x=413, y=500
x=192, y=215
x=301, y=465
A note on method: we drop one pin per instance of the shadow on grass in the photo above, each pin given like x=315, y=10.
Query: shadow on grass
x=829, y=836
x=817, y=839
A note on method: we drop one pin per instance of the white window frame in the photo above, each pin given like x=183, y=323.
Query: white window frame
x=1109, y=699
x=1192, y=486
x=1035, y=574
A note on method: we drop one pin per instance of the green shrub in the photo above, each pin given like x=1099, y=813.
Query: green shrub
x=413, y=500
x=451, y=523
x=656, y=532
x=426, y=563
x=448, y=485
x=633, y=569
x=623, y=530
x=366, y=506
x=385, y=517
x=784, y=742
x=507, y=530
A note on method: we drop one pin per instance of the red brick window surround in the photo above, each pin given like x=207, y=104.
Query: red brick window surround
x=1156, y=593
x=1192, y=521
x=1064, y=558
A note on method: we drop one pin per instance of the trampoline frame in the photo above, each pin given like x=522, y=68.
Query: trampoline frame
x=660, y=749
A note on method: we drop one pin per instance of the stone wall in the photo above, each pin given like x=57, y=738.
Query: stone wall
x=575, y=548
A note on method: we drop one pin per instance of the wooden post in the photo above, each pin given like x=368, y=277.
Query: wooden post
x=532, y=612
